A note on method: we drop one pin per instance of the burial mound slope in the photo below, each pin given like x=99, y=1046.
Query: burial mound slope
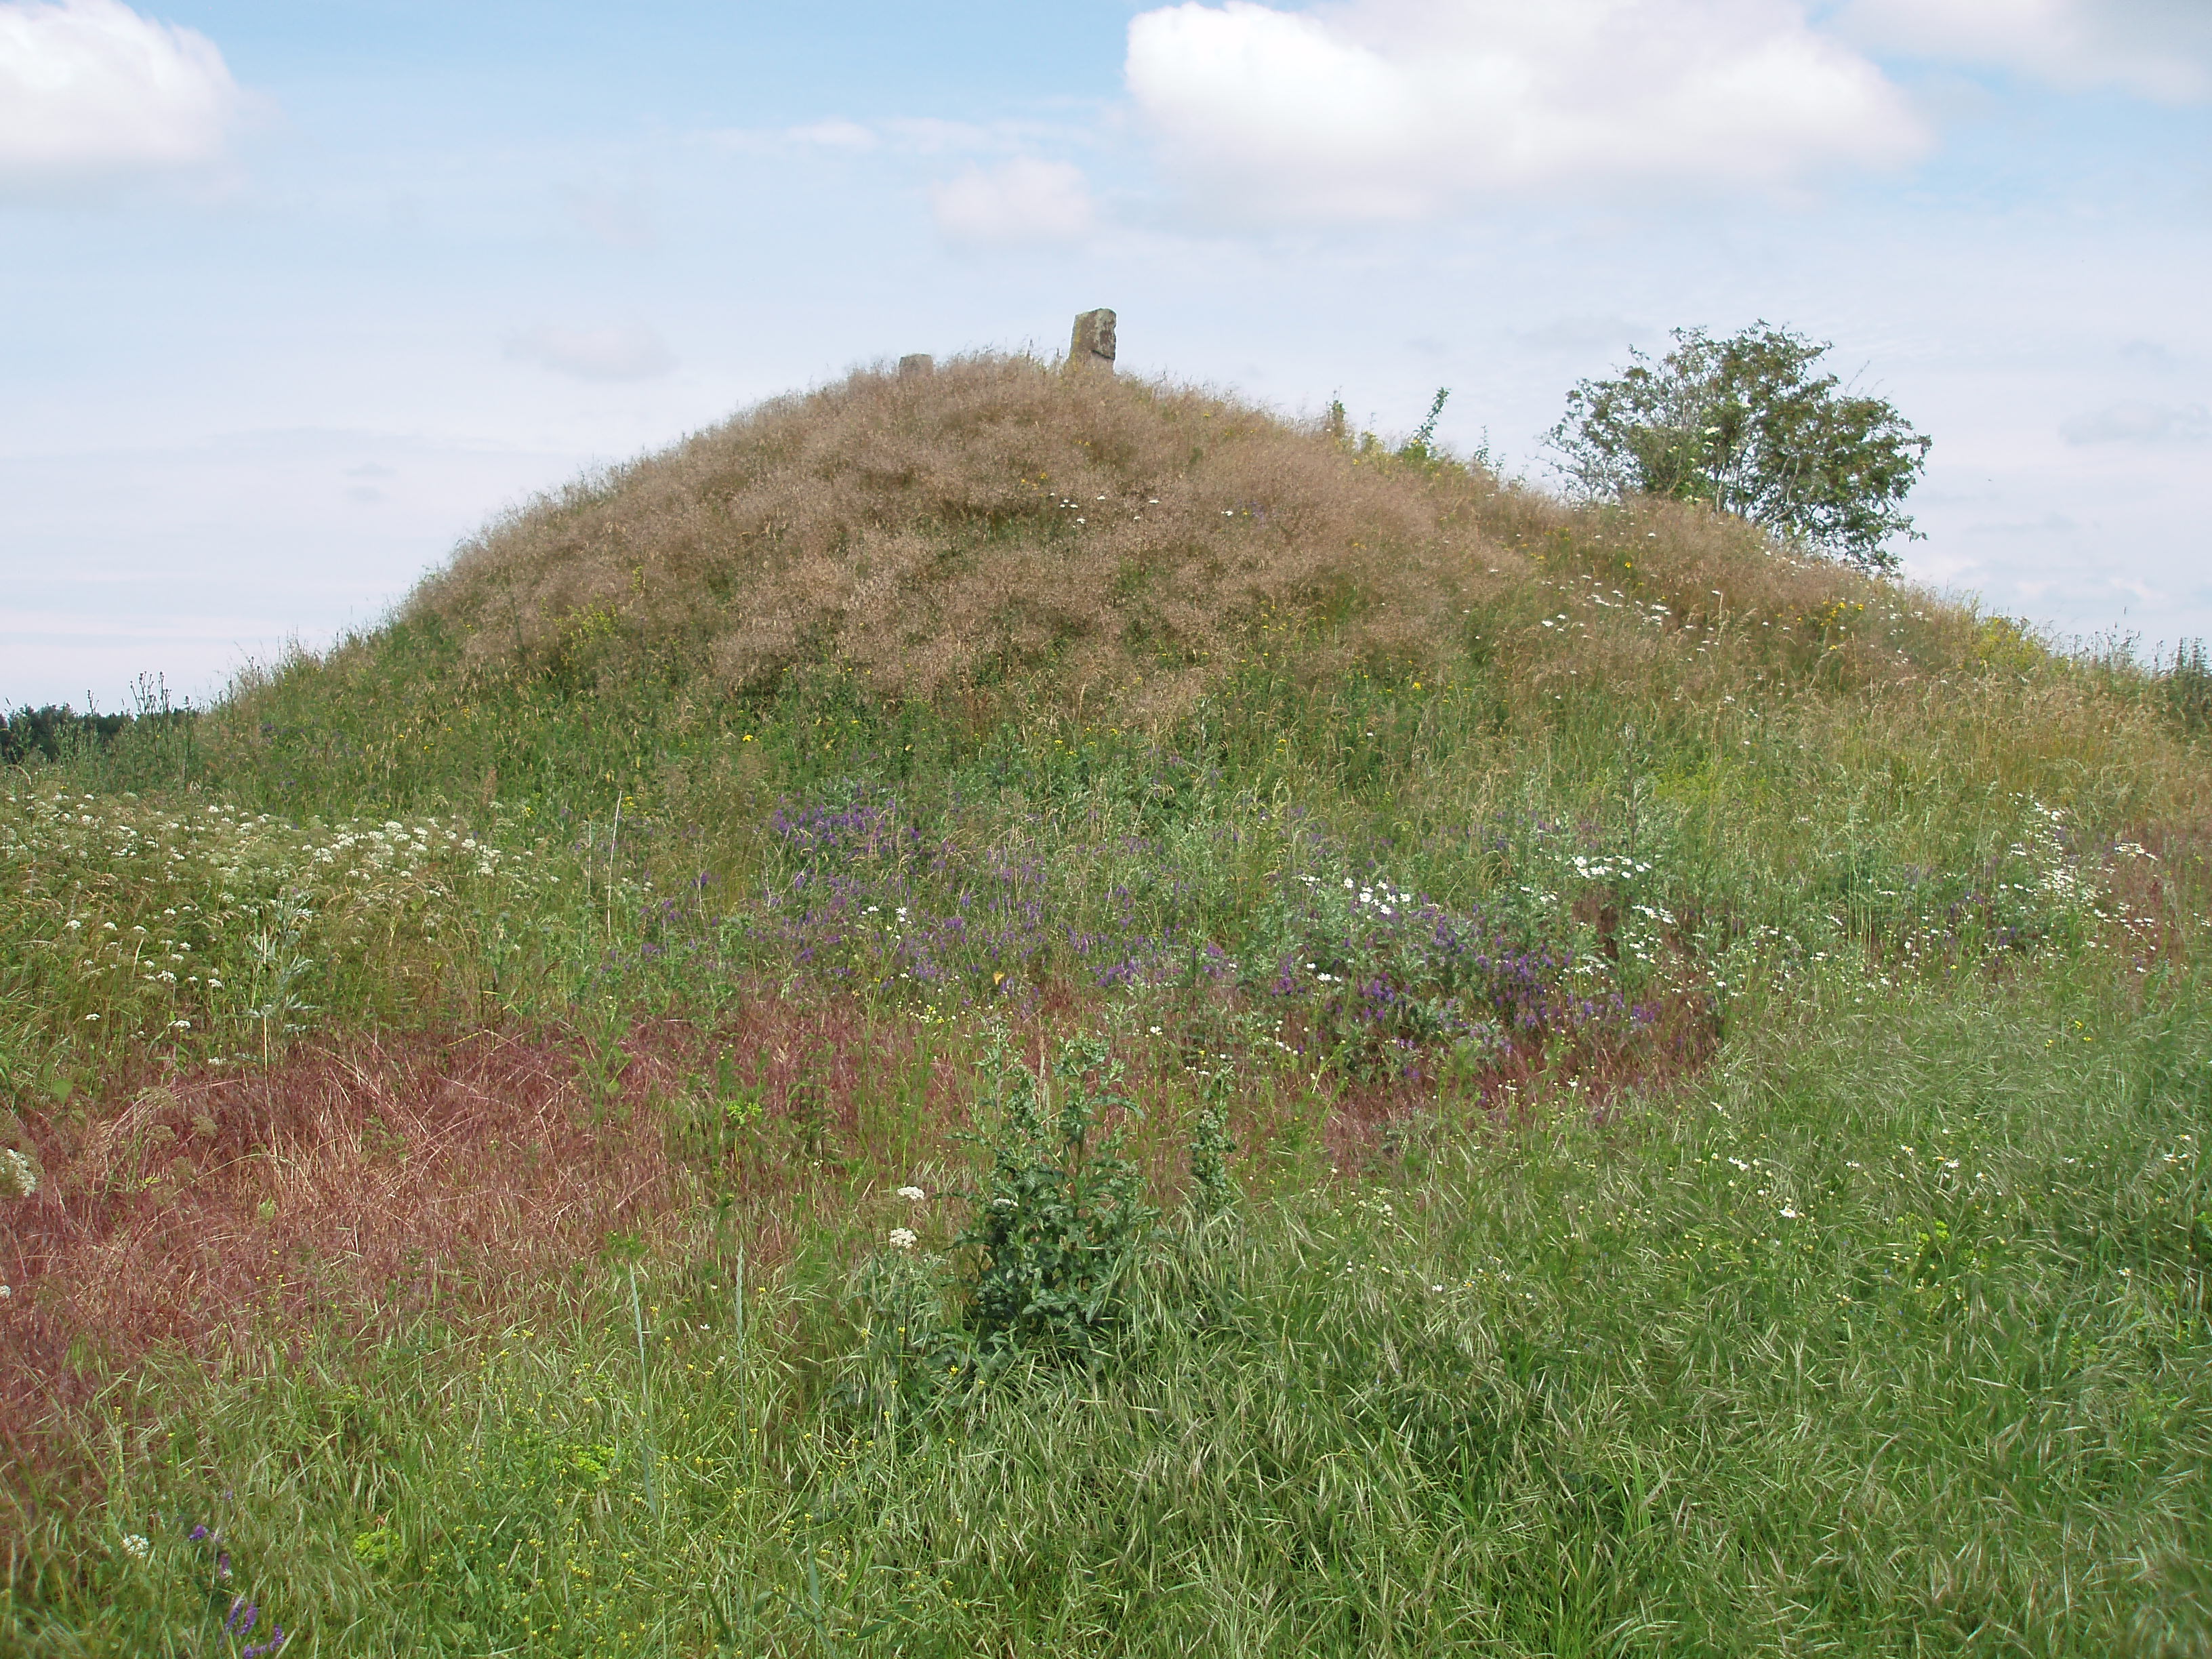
x=1114, y=543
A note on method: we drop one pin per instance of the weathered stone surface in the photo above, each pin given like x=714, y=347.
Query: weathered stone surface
x=1093, y=344
x=917, y=362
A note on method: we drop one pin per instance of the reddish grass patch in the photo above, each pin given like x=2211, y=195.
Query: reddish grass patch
x=379, y=1174
x=1681, y=1036
x=366, y=1180
x=2162, y=890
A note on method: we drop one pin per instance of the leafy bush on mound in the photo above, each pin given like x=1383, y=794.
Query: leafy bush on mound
x=1041, y=1270
x=1742, y=425
x=1062, y=1213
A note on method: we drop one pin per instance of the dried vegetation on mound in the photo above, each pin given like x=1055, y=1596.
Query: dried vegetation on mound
x=927, y=532
x=1111, y=543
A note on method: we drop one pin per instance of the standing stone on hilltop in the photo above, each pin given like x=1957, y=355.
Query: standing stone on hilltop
x=916, y=363
x=1093, y=344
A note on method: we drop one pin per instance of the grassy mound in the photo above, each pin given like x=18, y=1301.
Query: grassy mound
x=1117, y=542
x=928, y=533
x=1653, y=1090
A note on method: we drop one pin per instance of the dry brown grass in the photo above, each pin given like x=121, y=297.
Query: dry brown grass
x=926, y=533
x=1115, y=544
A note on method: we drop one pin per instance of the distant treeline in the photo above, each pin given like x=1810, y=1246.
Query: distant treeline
x=58, y=732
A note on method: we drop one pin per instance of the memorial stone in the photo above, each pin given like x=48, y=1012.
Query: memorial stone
x=1093, y=344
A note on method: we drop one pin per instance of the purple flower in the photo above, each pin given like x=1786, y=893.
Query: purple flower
x=270, y=1646
x=242, y=1615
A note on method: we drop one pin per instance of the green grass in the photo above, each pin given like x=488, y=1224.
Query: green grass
x=1558, y=1388
x=1848, y=1297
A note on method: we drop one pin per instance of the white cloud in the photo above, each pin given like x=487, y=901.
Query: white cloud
x=833, y=135
x=1382, y=109
x=901, y=137
x=91, y=91
x=1024, y=200
x=2135, y=422
x=634, y=352
x=2149, y=352
x=836, y=137
x=929, y=136
x=2160, y=48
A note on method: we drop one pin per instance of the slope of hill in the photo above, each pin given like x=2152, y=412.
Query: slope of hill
x=1675, y=1075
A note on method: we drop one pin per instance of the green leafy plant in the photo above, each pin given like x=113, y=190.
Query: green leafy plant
x=810, y=1122
x=1745, y=425
x=280, y=964
x=1062, y=1214
x=913, y=1346
x=707, y=1126
x=601, y=1064
x=1421, y=446
x=1213, y=1189
x=2187, y=682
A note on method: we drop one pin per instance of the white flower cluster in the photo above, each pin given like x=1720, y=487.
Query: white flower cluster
x=151, y=915
x=1619, y=868
x=2070, y=885
x=1381, y=897
x=123, y=838
x=17, y=1173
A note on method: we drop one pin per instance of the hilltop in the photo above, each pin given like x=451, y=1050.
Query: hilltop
x=1001, y=540
x=1110, y=539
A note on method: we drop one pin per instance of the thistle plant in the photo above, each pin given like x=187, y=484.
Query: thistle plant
x=1062, y=1213
x=280, y=964
x=1213, y=1192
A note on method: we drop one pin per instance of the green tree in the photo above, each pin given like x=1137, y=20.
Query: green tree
x=1746, y=426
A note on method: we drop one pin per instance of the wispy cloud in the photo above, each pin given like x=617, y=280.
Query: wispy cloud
x=1399, y=109
x=835, y=136
x=2136, y=421
x=617, y=215
x=92, y=93
x=897, y=136
x=2162, y=49
x=1025, y=200
x=628, y=352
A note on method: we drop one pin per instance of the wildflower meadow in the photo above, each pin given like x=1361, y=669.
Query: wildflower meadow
x=1415, y=1069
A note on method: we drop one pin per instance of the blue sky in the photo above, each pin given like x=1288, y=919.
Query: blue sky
x=299, y=297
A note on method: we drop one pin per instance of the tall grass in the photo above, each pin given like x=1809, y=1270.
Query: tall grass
x=1890, y=1338
x=1714, y=1045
